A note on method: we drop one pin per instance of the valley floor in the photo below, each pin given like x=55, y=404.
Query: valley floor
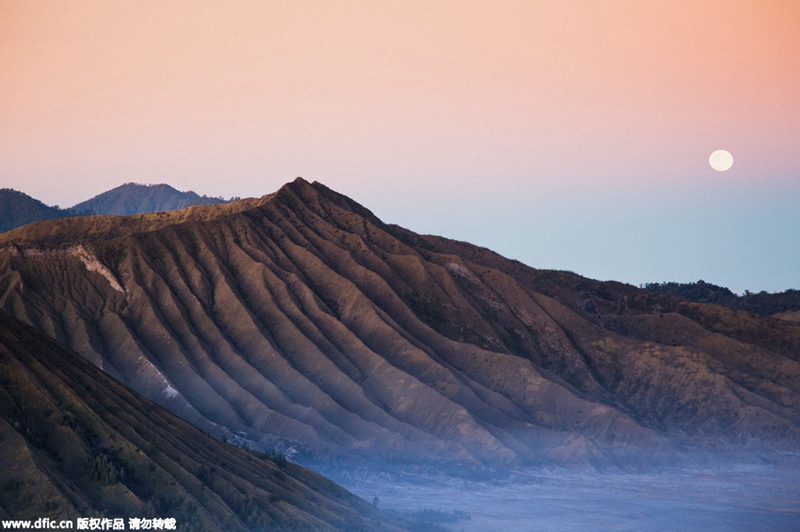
x=732, y=497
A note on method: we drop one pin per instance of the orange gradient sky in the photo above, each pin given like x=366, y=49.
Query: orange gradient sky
x=548, y=131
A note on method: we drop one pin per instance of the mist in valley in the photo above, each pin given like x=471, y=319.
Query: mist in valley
x=724, y=493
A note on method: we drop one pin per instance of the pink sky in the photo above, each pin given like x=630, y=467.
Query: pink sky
x=414, y=108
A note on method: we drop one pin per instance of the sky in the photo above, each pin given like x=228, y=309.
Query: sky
x=571, y=135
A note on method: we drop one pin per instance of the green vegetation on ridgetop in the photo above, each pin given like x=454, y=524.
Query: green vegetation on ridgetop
x=761, y=303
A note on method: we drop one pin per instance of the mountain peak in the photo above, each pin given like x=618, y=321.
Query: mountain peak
x=315, y=196
x=135, y=198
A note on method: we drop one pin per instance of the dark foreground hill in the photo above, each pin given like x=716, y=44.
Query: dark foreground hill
x=76, y=443
x=134, y=198
x=300, y=321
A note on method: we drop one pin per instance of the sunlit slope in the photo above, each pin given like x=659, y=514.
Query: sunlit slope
x=301, y=319
x=76, y=443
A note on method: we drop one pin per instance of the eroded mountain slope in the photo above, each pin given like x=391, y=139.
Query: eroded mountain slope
x=302, y=320
x=76, y=443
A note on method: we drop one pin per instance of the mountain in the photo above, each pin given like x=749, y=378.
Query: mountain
x=133, y=198
x=77, y=443
x=301, y=322
x=17, y=208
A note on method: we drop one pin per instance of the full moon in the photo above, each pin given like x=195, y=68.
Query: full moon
x=721, y=160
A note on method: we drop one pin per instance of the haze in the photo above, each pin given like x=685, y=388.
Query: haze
x=708, y=496
x=568, y=135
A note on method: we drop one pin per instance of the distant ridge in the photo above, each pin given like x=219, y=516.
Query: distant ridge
x=17, y=209
x=135, y=198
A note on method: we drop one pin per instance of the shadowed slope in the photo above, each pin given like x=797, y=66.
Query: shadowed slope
x=302, y=320
x=77, y=443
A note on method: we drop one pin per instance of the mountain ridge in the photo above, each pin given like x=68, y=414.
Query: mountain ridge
x=304, y=321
